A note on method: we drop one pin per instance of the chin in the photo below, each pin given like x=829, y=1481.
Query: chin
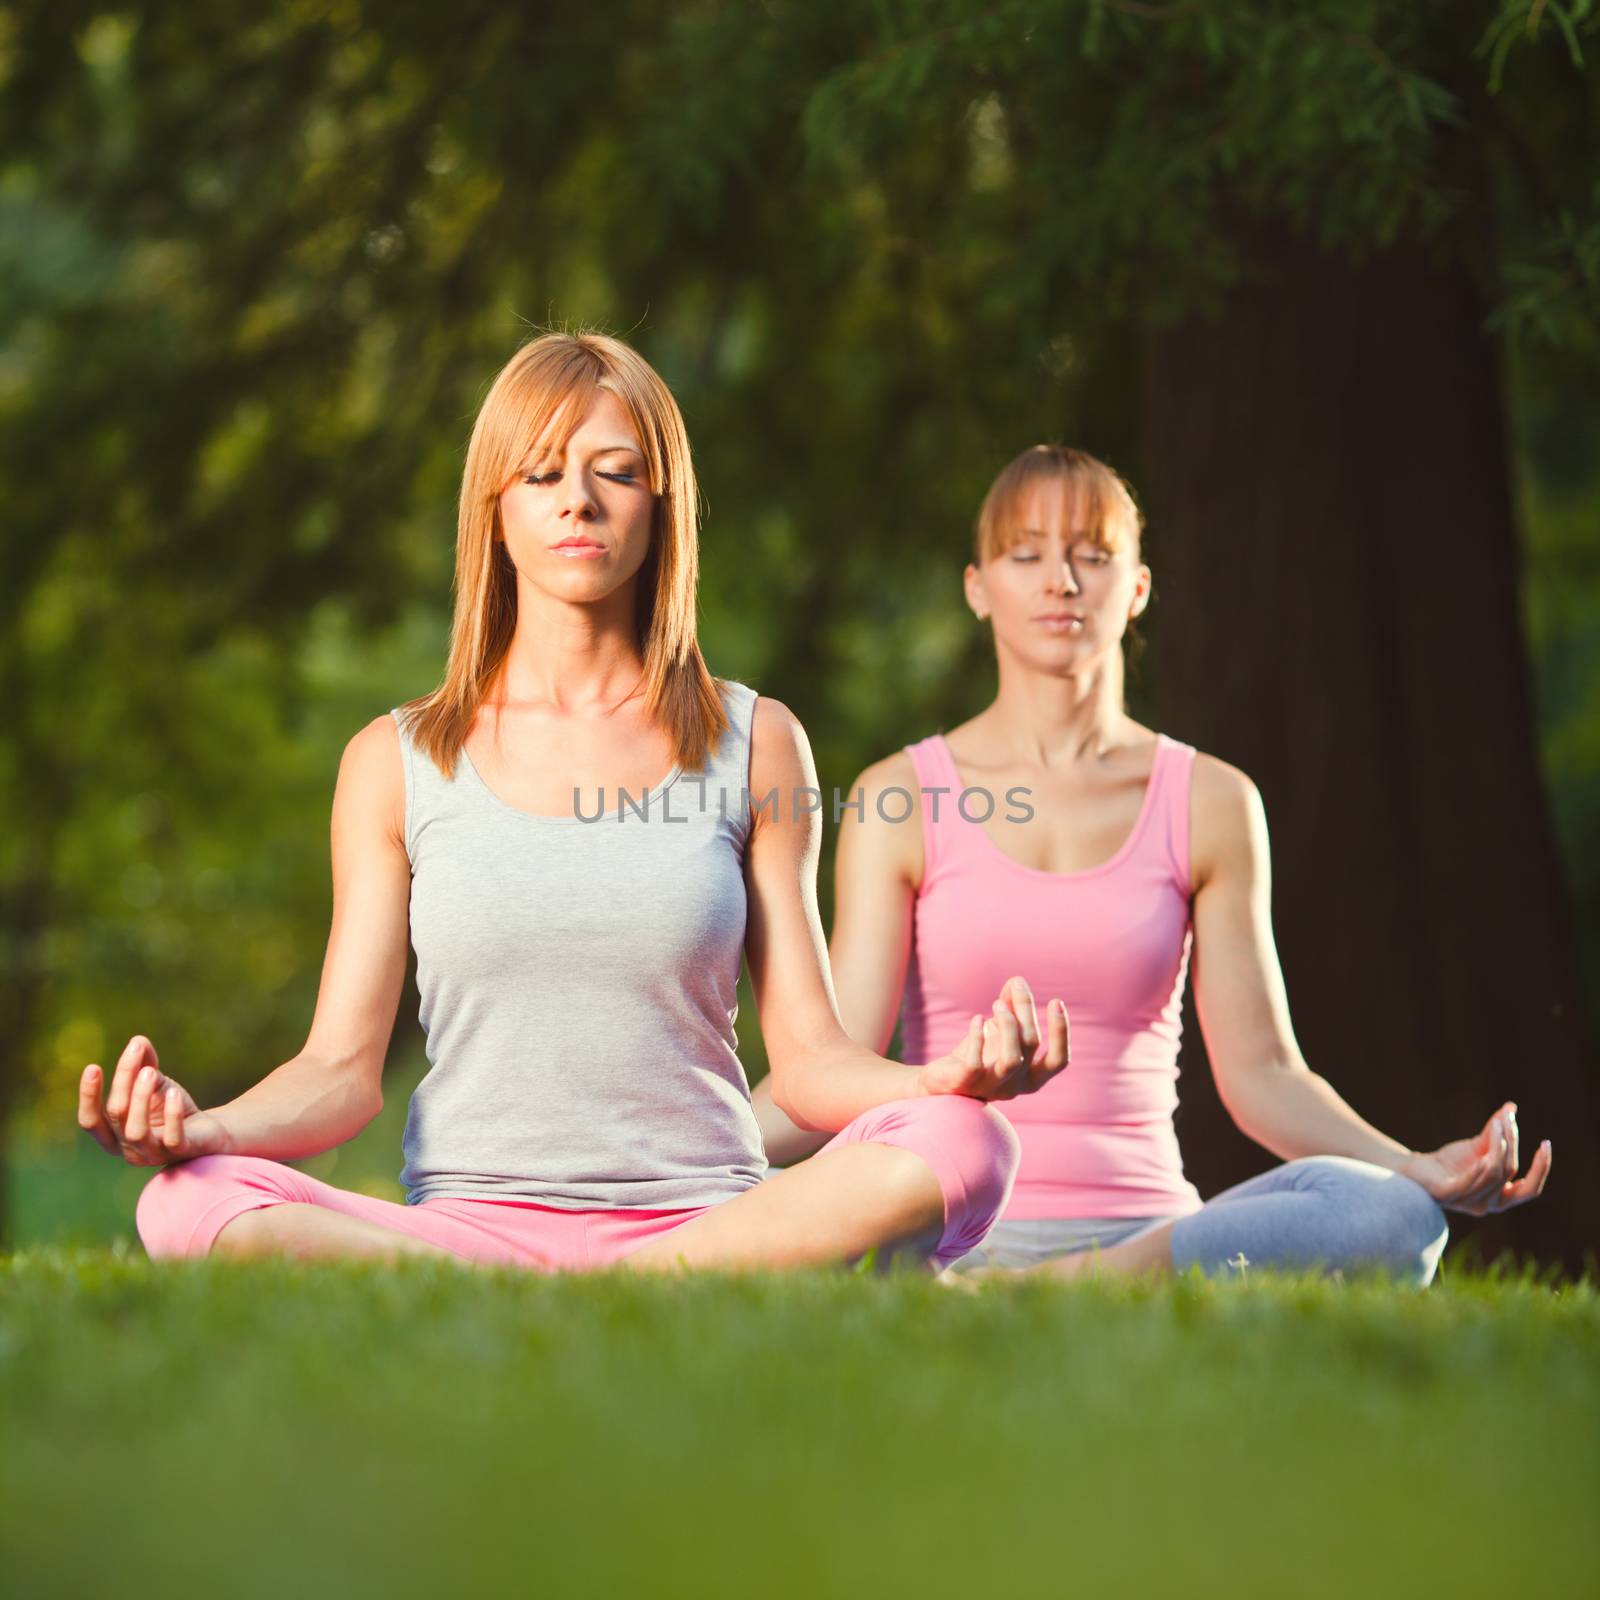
x=1060, y=657
x=590, y=593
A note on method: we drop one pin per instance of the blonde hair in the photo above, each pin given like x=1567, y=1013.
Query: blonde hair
x=538, y=399
x=1110, y=514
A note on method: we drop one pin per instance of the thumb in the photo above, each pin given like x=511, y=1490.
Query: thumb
x=172, y=1117
x=185, y=1129
x=971, y=1052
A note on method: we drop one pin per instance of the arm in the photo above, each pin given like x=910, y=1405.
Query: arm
x=329, y=1091
x=821, y=1078
x=876, y=870
x=1263, y=1080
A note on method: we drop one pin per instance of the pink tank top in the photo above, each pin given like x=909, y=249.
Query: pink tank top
x=1112, y=942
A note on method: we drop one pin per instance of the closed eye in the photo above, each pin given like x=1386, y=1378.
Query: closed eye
x=540, y=479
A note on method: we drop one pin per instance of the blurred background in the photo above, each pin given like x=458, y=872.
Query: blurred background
x=1323, y=282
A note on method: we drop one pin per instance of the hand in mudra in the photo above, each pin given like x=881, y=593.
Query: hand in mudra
x=1479, y=1176
x=1000, y=1056
x=148, y=1119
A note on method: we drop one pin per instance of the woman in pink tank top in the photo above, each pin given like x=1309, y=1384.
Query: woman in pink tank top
x=1054, y=836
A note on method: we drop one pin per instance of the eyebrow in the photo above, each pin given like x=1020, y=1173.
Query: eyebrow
x=538, y=457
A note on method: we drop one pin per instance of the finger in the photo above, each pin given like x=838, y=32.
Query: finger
x=967, y=1057
x=137, y=1128
x=999, y=1056
x=1055, y=1052
x=1012, y=1057
x=1475, y=1186
x=1513, y=1160
x=1488, y=1175
x=1488, y=1151
x=1486, y=1183
x=128, y=1066
x=90, y=1117
x=172, y=1119
x=1531, y=1184
x=1497, y=1139
x=971, y=1051
x=1504, y=1172
x=1020, y=997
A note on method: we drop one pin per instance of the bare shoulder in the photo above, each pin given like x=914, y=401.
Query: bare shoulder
x=892, y=772
x=780, y=752
x=373, y=754
x=1221, y=787
x=372, y=778
x=1227, y=821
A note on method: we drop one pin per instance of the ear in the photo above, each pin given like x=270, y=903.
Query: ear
x=977, y=591
x=1141, y=592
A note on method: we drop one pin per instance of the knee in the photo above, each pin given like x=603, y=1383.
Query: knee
x=962, y=1120
x=173, y=1202
x=976, y=1139
x=996, y=1153
x=1418, y=1231
x=976, y=1152
x=159, y=1215
x=1402, y=1227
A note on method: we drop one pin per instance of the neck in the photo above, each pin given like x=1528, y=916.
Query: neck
x=1051, y=719
x=571, y=655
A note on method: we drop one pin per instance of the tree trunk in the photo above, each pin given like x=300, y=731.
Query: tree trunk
x=1332, y=537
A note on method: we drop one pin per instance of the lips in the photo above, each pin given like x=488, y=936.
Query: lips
x=578, y=544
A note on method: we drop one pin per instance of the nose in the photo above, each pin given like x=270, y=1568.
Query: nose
x=1063, y=578
x=579, y=503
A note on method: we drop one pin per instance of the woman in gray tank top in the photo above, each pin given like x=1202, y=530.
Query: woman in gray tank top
x=582, y=832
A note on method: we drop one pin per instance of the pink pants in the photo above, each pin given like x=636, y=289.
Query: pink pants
x=971, y=1148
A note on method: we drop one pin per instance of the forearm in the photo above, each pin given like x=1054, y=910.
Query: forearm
x=1293, y=1111
x=827, y=1088
x=783, y=1139
x=306, y=1106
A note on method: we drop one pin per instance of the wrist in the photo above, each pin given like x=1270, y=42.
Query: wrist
x=223, y=1143
x=1410, y=1165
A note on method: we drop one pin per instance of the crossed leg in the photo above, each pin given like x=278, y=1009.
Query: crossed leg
x=1328, y=1212
x=911, y=1179
x=866, y=1197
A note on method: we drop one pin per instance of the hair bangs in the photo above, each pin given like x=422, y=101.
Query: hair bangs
x=1100, y=507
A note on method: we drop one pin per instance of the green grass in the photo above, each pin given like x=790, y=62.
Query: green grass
x=270, y=1428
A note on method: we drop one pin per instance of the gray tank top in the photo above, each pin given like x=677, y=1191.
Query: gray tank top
x=578, y=982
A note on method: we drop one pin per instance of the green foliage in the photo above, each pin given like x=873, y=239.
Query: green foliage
x=427, y=1428
x=1519, y=21
x=257, y=264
